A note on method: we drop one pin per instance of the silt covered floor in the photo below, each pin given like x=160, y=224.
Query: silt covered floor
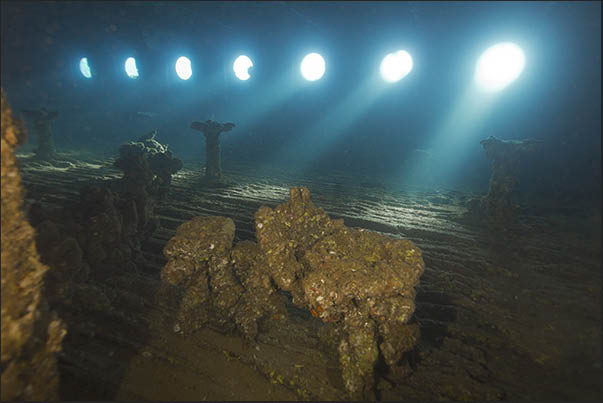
x=512, y=314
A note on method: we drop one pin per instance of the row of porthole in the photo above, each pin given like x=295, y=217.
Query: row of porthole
x=312, y=67
x=498, y=66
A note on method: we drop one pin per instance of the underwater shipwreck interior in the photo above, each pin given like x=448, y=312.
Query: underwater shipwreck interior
x=301, y=200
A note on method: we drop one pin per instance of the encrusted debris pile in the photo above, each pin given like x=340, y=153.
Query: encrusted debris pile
x=360, y=281
x=148, y=165
x=99, y=234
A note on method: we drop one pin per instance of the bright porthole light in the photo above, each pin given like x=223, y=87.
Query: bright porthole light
x=241, y=67
x=130, y=67
x=396, y=65
x=85, y=68
x=499, y=66
x=183, y=68
x=313, y=67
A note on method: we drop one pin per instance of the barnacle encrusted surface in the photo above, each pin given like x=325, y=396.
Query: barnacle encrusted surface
x=364, y=281
x=260, y=298
x=285, y=233
x=198, y=258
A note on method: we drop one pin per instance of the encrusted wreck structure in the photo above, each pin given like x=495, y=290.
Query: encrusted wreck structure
x=361, y=282
x=42, y=121
x=99, y=234
x=505, y=155
x=212, y=131
x=31, y=332
x=148, y=167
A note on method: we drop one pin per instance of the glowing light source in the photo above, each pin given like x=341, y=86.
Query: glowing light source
x=241, y=66
x=499, y=66
x=396, y=65
x=130, y=67
x=85, y=68
x=183, y=68
x=313, y=67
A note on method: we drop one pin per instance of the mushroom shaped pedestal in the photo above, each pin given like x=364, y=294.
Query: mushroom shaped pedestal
x=212, y=131
x=505, y=156
x=42, y=120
